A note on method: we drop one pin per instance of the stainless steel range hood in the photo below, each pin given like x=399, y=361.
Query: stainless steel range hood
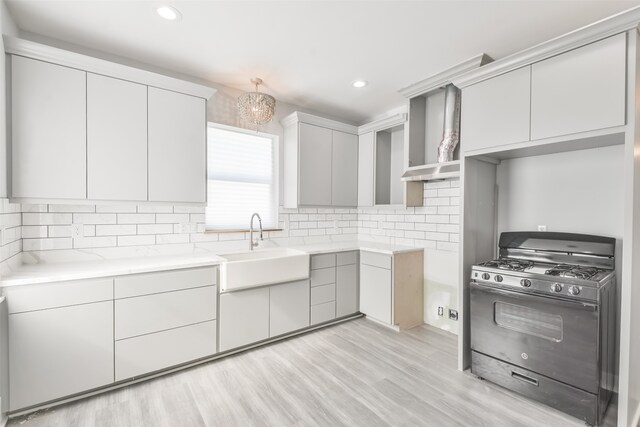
x=433, y=171
x=446, y=166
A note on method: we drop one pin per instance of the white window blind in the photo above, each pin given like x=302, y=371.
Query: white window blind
x=241, y=169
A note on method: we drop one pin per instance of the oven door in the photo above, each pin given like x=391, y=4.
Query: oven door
x=554, y=337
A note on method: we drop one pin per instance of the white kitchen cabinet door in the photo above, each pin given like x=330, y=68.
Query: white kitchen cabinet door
x=59, y=352
x=177, y=147
x=147, y=353
x=346, y=290
x=315, y=165
x=496, y=111
x=244, y=317
x=48, y=130
x=288, y=307
x=344, y=167
x=581, y=90
x=116, y=139
x=375, y=292
x=365, y=169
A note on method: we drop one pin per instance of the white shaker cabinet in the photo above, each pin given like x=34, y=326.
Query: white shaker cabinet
x=288, y=307
x=496, y=111
x=244, y=318
x=177, y=147
x=315, y=165
x=116, y=139
x=581, y=90
x=344, y=169
x=366, y=158
x=58, y=352
x=48, y=130
x=320, y=162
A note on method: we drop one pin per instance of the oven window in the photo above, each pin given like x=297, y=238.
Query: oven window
x=528, y=321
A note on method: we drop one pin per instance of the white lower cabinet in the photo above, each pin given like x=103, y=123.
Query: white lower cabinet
x=244, y=317
x=152, y=352
x=288, y=307
x=375, y=292
x=346, y=289
x=59, y=352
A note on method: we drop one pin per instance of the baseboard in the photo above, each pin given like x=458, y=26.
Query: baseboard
x=3, y=420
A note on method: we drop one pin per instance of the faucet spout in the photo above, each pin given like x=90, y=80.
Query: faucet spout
x=252, y=243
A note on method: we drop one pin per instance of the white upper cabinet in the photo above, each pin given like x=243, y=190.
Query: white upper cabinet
x=365, y=169
x=344, y=173
x=48, y=124
x=116, y=139
x=320, y=162
x=177, y=147
x=581, y=90
x=85, y=128
x=315, y=165
x=496, y=111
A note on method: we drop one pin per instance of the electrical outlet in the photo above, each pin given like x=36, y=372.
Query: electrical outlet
x=440, y=311
x=542, y=228
x=453, y=314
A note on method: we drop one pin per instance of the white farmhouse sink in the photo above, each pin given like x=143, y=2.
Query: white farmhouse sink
x=262, y=267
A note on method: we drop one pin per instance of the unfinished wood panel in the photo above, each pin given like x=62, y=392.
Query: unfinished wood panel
x=408, y=286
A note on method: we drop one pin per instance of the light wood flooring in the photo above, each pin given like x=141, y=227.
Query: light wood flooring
x=353, y=374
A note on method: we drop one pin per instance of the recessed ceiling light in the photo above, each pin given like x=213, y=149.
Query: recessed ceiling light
x=360, y=83
x=169, y=13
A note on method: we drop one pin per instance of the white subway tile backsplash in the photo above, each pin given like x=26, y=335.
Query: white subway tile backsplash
x=154, y=229
x=72, y=208
x=94, y=218
x=188, y=209
x=34, y=231
x=116, y=208
x=140, y=240
x=46, y=244
x=94, y=242
x=172, y=218
x=115, y=230
x=46, y=218
x=135, y=218
x=155, y=209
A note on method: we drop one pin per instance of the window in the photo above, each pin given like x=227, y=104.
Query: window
x=242, y=178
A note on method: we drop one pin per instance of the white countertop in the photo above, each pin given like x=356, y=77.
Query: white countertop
x=46, y=272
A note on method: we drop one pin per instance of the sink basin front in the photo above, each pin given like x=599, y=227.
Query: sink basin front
x=262, y=267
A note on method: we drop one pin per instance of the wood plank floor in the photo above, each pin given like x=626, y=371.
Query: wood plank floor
x=352, y=374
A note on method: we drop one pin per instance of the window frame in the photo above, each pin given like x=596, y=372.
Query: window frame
x=276, y=174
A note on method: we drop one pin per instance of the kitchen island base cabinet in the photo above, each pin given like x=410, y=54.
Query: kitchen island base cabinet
x=153, y=352
x=392, y=288
x=58, y=352
x=244, y=318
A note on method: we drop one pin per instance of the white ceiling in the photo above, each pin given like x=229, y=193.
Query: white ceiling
x=309, y=52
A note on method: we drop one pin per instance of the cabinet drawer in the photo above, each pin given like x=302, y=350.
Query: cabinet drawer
x=323, y=276
x=153, y=283
x=62, y=294
x=346, y=258
x=375, y=259
x=148, y=353
x=322, y=294
x=323, y=261
x=323, y=312
x=154, y=313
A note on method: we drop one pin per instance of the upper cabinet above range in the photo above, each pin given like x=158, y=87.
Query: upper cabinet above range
x=320, y=162
x=87, y=129
x=577, y=91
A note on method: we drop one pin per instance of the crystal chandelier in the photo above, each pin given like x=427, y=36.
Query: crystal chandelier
x=256, y=107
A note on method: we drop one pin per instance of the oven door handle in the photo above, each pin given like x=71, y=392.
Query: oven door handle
x=520, y=295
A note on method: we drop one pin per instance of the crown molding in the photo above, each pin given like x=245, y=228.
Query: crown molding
x=386, y=123
x=599, y=30
x=42, y=52
x=444, y=77
x=299, y=117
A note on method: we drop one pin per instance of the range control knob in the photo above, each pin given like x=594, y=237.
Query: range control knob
x=556, y=287
x=574, y=290
x=486, y=276
x=525, y=283
x=498, y=278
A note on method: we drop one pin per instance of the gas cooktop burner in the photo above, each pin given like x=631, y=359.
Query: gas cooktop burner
x=509, y=264
x=567, y=270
